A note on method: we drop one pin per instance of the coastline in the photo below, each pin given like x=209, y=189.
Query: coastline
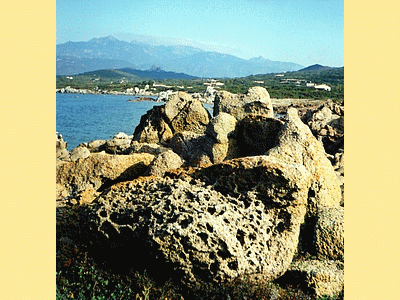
x=284, y=102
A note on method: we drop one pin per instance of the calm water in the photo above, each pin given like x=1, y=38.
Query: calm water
x=83, y=118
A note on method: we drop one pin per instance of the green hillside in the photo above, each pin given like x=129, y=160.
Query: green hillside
x=279, y=85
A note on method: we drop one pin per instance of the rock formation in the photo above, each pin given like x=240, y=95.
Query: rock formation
x=208, y=199
x=235, y=219
x=327, y=124
x=153, y=127
x=296, y=144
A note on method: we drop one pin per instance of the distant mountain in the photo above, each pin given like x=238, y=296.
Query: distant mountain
x=153, y=73
x=111, y=53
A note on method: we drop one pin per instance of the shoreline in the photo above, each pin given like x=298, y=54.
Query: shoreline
x=274, y=101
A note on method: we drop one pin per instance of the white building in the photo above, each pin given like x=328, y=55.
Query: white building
x=323, y=87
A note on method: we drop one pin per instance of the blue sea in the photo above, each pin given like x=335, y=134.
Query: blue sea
x=85, y=117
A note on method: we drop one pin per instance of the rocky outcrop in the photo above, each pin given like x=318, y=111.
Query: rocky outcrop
x=99, y=171
x=255, y=101
x=153, y=127
x=296, y=144
x=96, y=146
x=194, y=148
x=302, y=105
x=153, y=149
x=221, y=127
x=180, y=113
x=240, y=218
x=209, y=200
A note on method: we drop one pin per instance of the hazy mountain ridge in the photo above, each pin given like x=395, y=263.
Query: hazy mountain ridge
x=109, y=52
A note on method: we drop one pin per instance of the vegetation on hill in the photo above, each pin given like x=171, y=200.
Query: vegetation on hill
x=284, y=85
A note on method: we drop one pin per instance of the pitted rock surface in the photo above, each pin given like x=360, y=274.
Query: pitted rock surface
x=329, y=233
x=246, y=225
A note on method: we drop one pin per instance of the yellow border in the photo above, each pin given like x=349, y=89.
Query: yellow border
x=372, y=125
x=27, y=221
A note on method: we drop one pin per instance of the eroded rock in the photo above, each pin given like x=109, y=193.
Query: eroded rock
x=98, y=171
x=79, y=152
x=256, y=134
x=192, y=147
x=240, y=218
x=296, y=144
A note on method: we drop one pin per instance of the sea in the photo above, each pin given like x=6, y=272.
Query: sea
x=86, y=117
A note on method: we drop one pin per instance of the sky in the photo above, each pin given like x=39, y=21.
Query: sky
x=306, y=32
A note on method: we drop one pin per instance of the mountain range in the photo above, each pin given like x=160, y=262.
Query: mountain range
x=110, y=53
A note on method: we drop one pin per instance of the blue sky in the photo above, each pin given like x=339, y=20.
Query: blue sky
x=303, y=31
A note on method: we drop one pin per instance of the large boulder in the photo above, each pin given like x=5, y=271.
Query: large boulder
x=153, y=127
x=186, y=114
x=255, y=101
x=240, y=218
x=296, y=144
x=99, y=171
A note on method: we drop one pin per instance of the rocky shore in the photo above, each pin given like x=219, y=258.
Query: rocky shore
x=212, y=198
x=146, y=93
